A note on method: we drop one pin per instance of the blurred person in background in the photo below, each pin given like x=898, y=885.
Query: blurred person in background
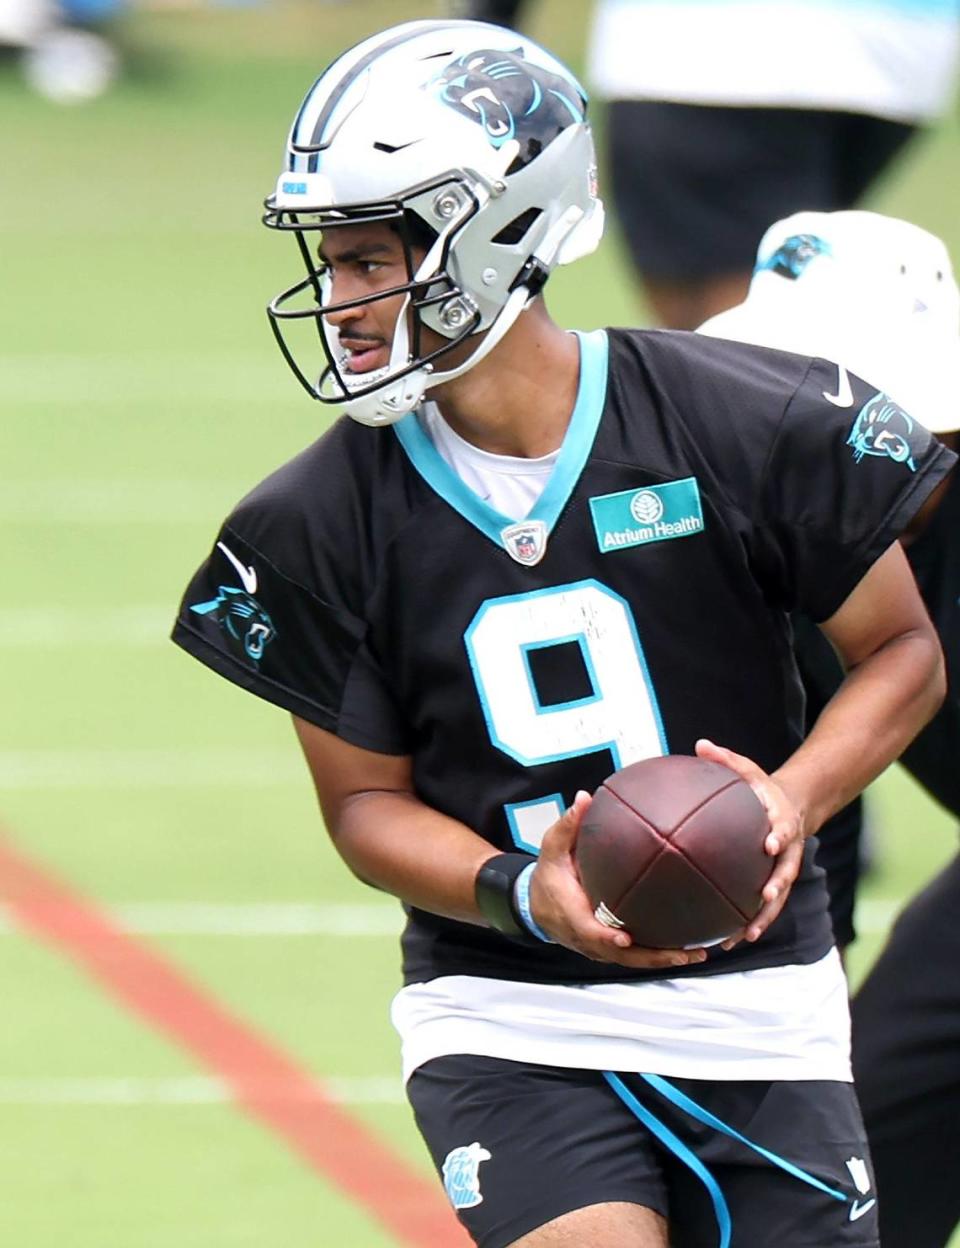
x=878, y=295
x=63, y=46
x=725, y=115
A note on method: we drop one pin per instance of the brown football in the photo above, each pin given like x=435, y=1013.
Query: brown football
x=672, y=850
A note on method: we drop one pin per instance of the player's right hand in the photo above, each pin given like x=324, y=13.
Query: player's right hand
x=561, y=907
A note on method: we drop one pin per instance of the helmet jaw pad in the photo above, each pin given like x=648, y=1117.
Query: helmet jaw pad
x=428, y=292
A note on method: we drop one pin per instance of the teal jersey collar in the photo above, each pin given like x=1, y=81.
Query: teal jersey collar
x=591, y=396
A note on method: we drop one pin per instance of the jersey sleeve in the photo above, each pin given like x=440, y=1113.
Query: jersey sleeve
x=846, y=470
x=266, y=612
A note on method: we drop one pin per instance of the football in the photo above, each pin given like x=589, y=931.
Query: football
x=671, y=849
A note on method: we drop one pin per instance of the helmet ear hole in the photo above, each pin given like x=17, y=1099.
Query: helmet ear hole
x=517, y=229
x=419, y=234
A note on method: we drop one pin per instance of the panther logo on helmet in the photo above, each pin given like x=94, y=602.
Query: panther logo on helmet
x=792, y=256
x=511, y=98
x=242, y=619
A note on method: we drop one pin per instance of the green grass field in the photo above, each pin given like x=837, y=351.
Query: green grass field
x=142, y=395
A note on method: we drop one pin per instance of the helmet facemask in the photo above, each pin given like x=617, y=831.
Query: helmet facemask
x=500, y=206
x=431, y=299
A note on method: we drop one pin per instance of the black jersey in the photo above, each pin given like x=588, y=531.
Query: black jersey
x=704, y=489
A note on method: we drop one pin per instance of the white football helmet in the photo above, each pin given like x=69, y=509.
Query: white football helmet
x=471, y=141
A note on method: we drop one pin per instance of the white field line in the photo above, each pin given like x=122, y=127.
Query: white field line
x=69, y=381
x=196, y=768
x=132, y=500
x=23, y=628
x=166, y=918
x=174, y=918
x=129, y=1091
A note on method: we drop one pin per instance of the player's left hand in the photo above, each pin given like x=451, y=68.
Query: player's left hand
x=563, y=910
x=784, y=841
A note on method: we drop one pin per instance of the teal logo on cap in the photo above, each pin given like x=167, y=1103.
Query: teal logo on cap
x=654, y=513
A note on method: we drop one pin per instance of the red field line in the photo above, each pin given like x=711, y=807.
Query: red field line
x=265, y=1082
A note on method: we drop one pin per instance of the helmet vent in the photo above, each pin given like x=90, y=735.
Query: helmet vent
x=515, y=232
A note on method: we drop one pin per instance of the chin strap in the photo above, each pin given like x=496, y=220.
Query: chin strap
x=394, y=400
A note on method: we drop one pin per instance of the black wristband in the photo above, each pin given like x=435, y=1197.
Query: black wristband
x=493, y=890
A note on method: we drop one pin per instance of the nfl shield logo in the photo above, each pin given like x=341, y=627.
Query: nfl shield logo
x=525, y=542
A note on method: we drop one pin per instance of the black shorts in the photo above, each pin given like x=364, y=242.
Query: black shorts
x=518, y=1145
x=696, y=186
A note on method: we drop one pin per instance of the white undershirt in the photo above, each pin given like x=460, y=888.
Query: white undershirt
x=782, y=1022
x=787, y=1022
x=510, y=485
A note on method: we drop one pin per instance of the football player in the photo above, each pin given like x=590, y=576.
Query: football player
x=527, y=557
x=879, y=295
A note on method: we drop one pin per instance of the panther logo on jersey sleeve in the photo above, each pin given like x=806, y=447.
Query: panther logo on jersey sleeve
x=884, y=429
x=242, y=618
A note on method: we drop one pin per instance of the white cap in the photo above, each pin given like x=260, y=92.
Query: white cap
x=867, y=291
